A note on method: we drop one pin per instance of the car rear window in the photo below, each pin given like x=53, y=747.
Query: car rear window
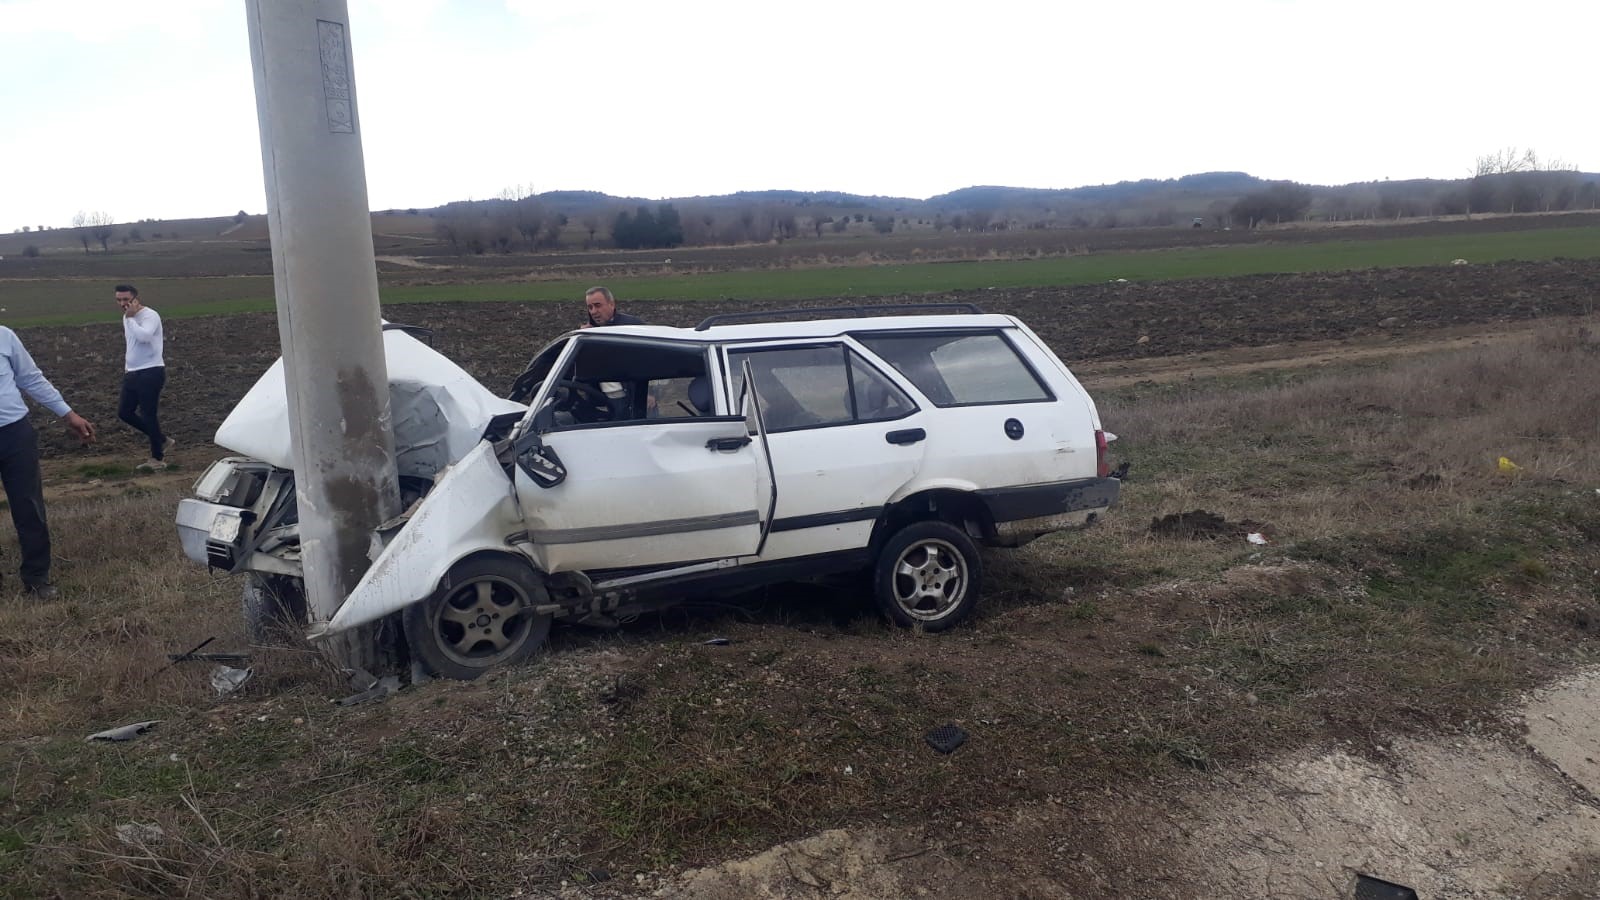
x=960, y=369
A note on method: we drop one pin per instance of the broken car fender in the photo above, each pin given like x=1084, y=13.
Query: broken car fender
x=471, y=508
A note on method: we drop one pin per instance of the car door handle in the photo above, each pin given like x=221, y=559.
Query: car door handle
x=905, y=436
x=727, y=444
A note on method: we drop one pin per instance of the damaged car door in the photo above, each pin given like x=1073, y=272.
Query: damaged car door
x=640, y=463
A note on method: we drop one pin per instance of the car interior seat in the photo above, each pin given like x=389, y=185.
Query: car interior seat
x=700, y=395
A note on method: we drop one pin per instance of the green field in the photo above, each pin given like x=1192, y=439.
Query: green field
x=64, y=301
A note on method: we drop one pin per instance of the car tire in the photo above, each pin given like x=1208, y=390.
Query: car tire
x=274, y=608
x=480, y=617
x=928, y=575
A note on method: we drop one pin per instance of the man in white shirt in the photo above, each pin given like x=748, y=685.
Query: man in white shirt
x=145, y=373
x=19, y=457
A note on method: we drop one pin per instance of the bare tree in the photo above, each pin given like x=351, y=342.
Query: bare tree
x=528, y=219
x=591, y=224
x=784, y=224
x=93, y=226
x=80, y=224
x=500, y=230
x=448, y=230
x=1504, y=162
x=1512, y=179
x=552, y=230
x=1511, y=160
x=101, y=227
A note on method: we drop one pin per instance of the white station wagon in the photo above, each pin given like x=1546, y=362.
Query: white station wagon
x=635, y=466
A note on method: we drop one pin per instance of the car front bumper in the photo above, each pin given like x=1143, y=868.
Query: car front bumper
x=210, y=533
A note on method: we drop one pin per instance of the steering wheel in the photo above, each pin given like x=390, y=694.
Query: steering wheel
x=583, y=401
x=525, y=387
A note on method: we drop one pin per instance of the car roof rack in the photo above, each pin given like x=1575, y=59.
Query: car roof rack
x=422, y=334
x=729, y=318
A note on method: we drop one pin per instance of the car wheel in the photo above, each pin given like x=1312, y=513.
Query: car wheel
x=481, y=616
x=274, y=608
x=928, y=575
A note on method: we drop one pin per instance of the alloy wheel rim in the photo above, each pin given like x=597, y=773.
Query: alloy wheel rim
x=482, y=622
x=930, y=579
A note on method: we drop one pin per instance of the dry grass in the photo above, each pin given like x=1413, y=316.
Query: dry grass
x=92, y=657
x=1318, y=454
x=1409, y=585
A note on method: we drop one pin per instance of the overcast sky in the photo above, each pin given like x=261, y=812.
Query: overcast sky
x=107, y=106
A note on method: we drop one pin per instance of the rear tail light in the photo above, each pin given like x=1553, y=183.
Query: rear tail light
x=1102, y=466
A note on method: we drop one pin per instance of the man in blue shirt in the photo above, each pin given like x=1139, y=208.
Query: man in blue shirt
x=19, y=457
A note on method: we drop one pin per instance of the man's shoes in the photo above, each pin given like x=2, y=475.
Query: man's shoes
x=42, y=591
x=152, y=465
x=167, y=446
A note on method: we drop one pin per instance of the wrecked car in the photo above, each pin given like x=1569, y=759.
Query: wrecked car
x=634, y=466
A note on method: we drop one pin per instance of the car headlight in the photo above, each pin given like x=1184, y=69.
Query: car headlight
x=225, y=527
x=231, y=482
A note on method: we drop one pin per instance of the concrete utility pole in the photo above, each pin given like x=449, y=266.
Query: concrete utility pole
x=327, y=288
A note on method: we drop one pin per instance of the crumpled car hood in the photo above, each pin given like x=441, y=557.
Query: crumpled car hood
x=439, y=411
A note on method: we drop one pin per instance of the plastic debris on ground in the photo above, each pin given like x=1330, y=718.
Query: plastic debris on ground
x=1256, y=537
x=719, y=642
x=1506, y=465
x=125, y=732
x=946, y=738
x=360, y=678
x=385, y=686
x=1370, y=888
x=138, y=834
x=226, y=679
x=193, y=653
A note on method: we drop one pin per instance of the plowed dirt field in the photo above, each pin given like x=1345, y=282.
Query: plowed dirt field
x=213, y=361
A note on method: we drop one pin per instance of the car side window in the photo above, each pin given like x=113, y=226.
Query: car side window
x=960, y=369
x=808, y=387
x=877, y=398
x=610, y=381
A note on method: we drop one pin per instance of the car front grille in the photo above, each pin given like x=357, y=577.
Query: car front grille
x=220, y=555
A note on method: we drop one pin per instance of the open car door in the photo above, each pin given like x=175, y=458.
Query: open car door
x=656, y=491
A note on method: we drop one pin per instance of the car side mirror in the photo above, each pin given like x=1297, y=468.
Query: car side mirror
x=538, y=461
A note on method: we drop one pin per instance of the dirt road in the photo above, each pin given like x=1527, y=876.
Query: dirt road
x=1469, y=817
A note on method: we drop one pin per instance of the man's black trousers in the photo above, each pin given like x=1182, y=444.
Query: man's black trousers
x=19, y=473
x=141, y=397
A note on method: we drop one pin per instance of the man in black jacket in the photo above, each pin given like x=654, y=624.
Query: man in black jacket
x=602, y=308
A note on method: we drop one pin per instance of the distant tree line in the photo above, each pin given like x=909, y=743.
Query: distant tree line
x=1506, y=181
x=644, y=230
x=516, y=219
